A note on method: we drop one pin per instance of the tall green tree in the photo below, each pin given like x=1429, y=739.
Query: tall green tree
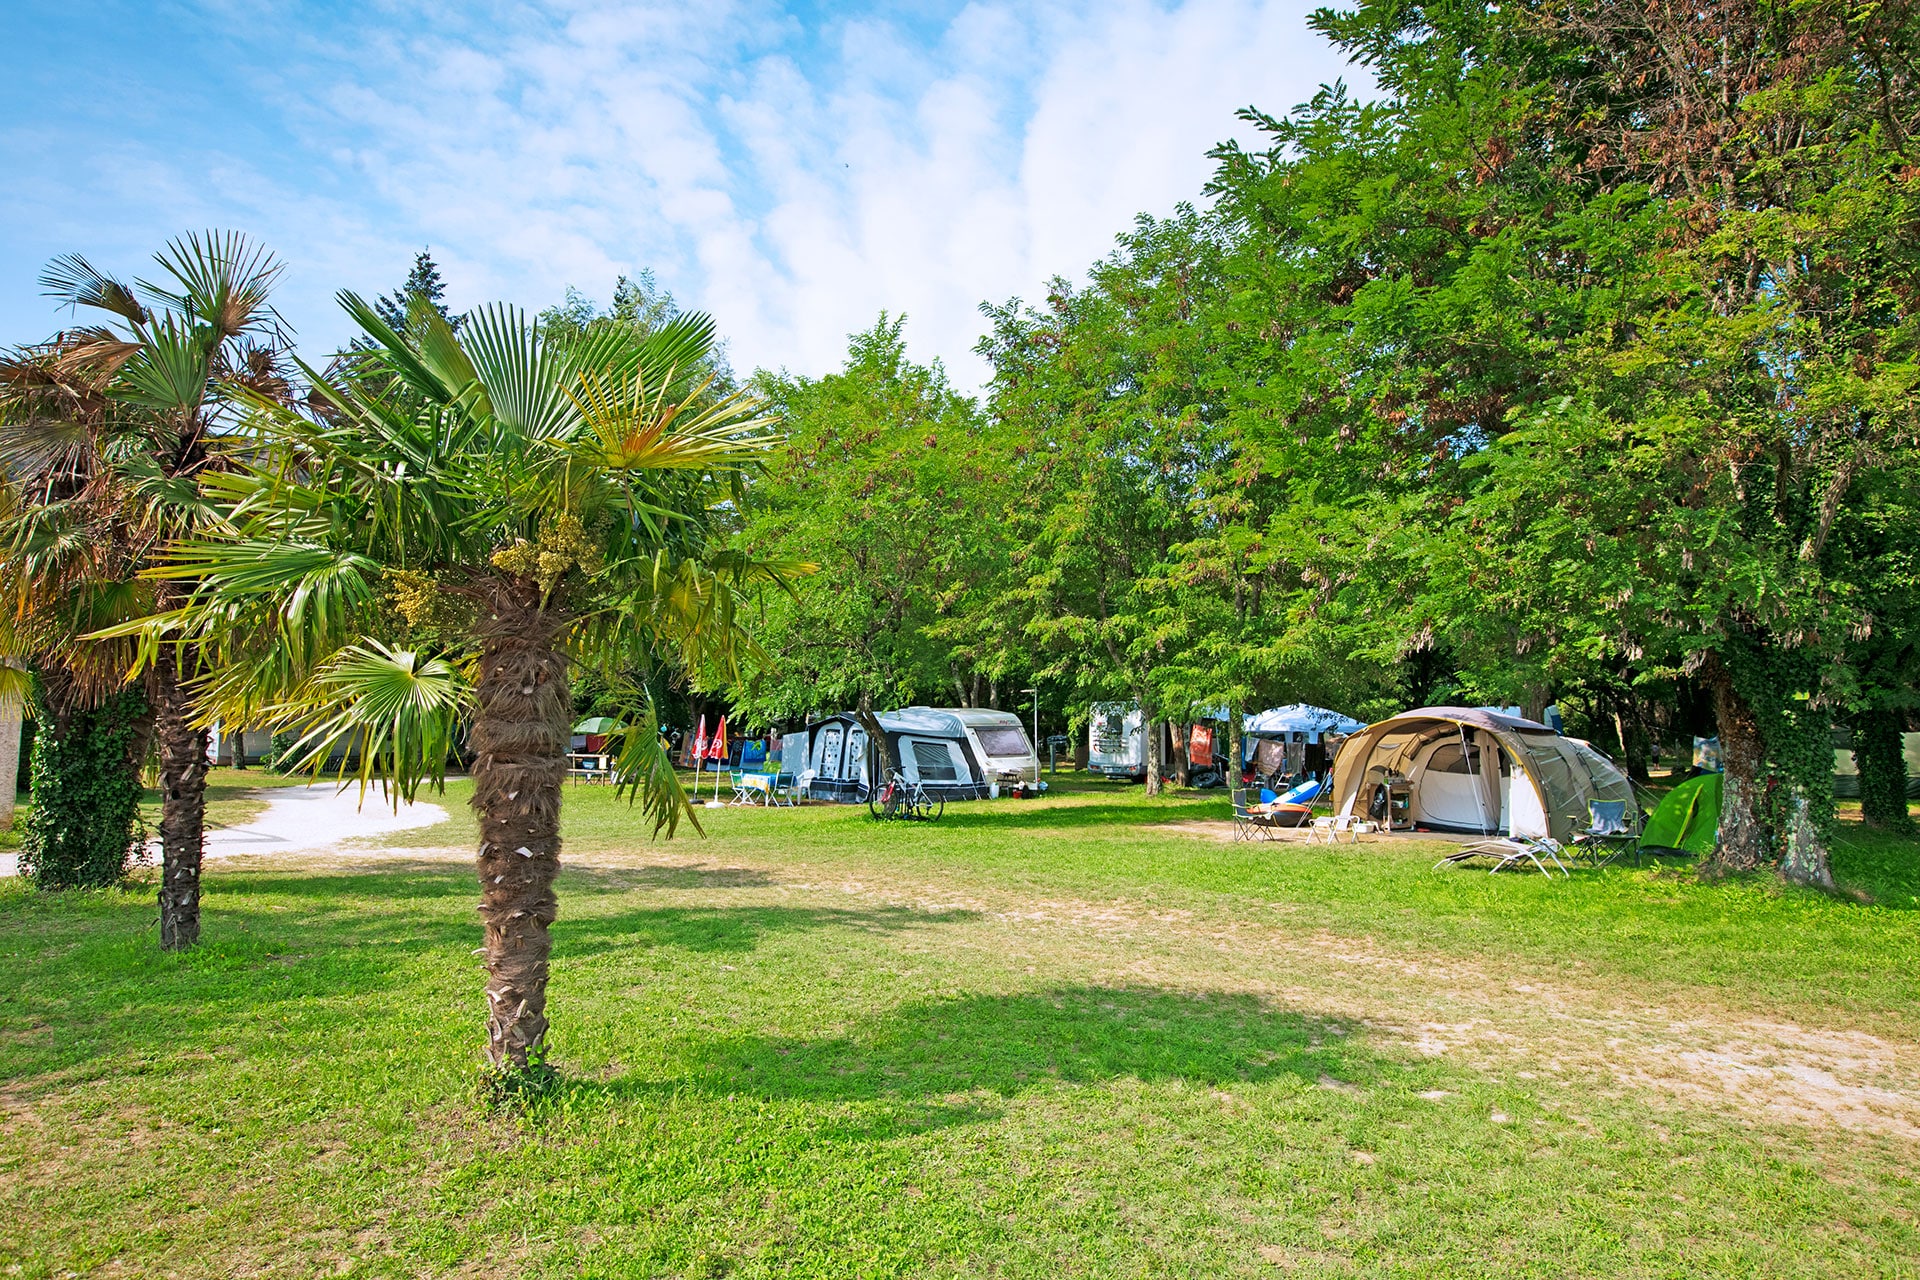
x=887, y=484
x=460, y=521
x=1598, y=321
x=1103, y=389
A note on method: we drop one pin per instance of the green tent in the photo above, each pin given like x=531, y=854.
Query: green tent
x=1688, y=820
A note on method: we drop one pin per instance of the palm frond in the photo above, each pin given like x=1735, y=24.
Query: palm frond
x=398, y=709
x=391, y=352
x=518, y=371
x=632, y=425
x=644, y=772
x=173, y=368
x=220, y=281
x=618, y=351
x=77, y=283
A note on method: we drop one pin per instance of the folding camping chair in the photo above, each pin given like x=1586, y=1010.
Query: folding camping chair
x=1248, y=825
x=1329, y=830
x=1609, y=836
x=1510, y=851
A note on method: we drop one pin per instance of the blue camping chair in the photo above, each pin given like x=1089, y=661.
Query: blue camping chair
x=1609, y=835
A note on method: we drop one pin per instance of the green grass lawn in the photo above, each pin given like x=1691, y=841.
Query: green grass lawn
x=1077, y=1037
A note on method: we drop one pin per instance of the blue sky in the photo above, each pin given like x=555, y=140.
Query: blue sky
x=792, y=168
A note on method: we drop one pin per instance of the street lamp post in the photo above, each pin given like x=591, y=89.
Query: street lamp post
x=1034, y=744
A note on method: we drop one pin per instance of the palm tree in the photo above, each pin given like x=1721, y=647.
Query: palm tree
x=458, y=520
x=105, y=432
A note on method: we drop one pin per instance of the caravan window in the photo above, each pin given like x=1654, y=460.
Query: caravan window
x=1004, y=741
x=934, y=760
x=856, y=766
x=829, y=762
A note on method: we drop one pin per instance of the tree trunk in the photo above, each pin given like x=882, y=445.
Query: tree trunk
x=1182, y=766
x=1877, y=752
x=878, y=746
x=11, y=718
x=1743, y=842
x=183, y=802
x=520, y=732
x=1151, y=728
x=238, y=756
x=1806, y=857
x=1236, y=743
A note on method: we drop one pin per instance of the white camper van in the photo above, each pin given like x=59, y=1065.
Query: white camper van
x=1115, y=745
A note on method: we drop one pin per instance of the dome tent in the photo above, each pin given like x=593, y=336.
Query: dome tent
x=1479, y=772
x=1688, y=820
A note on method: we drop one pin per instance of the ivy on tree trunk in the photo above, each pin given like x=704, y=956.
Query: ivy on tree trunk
x=1878, y=753
x=83, y=830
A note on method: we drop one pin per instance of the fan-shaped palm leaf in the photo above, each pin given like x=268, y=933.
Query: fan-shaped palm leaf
x=396, y=709
x=76, y=282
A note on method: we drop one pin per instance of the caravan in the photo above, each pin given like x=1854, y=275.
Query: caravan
x=935, y=747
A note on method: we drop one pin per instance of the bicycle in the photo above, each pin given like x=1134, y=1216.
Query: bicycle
x=907, y=801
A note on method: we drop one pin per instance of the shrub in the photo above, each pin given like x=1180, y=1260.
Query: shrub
x=84, y=828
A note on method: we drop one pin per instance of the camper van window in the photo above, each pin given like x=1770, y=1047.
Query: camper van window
x=935, y=762
x=1003, y=742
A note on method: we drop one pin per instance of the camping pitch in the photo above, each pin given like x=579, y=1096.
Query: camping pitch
x=1476, y=772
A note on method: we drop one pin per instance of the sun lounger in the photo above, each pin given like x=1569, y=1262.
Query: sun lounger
x=1510, y=851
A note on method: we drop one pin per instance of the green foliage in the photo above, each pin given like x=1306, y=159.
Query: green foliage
x=424, y=287
x=83, y=830
x=893, y=488
x=280, y=756
x=1878, y=753
x=346, y=592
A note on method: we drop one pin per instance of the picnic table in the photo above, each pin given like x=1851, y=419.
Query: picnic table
x=590, y=766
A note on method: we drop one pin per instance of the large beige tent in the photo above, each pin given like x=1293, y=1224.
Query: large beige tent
x=1478, y=772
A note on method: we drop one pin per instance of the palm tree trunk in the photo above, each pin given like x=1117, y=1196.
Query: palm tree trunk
x=183, y=805
x=520, y=745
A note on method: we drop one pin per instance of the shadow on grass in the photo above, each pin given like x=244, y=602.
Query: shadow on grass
x=954, y=1060
x=1038, y=815
x=726, y=929
x=697, y=876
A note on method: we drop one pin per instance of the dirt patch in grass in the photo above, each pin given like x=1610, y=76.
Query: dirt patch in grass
x=1504, y=1019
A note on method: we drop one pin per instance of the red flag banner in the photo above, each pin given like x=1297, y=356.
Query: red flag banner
x=700, y=743
x=717, y=749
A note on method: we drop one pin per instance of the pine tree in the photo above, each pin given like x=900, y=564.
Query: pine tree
x=423, y=282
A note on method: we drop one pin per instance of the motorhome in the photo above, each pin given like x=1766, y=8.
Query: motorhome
x=1116, y=745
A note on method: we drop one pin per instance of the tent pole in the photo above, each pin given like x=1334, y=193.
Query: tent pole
x=1479, y=794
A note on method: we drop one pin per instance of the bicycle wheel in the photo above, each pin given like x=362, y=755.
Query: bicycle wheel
x=877, y=801
x=936, y=806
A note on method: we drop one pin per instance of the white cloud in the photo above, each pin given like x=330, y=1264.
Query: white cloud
x=794, y=182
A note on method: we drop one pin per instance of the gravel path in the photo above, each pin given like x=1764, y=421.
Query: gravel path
x=315, y=818
x=310, y=819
